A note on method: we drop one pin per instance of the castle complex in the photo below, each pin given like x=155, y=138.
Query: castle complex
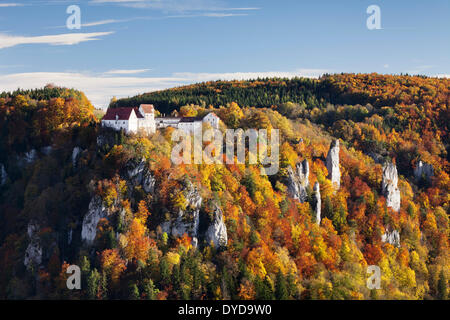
x=132, y=120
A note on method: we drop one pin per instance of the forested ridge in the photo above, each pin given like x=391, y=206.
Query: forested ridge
x=58, y=166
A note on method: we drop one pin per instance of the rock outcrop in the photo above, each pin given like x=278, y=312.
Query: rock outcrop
x=332, y=163
x=3, y=175
x=186, y=221
x=96, y=211
x=423, y=170
x=30, y=156
x=317, y=202
x=298, y=181
x=139, y=174
x=392, y=237
x=217, y=231
x=148, y=182
x=75, y=154
x=33, y=253
x=389, y=186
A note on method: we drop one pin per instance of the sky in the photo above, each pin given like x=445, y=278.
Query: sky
x=127, y=47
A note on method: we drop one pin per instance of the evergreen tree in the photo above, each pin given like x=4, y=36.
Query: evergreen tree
x=133, y=292
x=149, y=289
x=442, y=286
x=281, y=290
x=93, y=281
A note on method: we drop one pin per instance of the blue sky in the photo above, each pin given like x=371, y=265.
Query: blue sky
x=125, y=47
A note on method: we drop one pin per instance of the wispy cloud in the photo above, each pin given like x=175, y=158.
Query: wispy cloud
x=7, y=41
x=5, y=5
x=100, y=88
x=101, y=22
x=175, y=5
x=135, y=71
x=223, y=15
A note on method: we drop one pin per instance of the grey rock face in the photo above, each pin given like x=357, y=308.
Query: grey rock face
x=332, y=164
x=148, y=183
x=95, y=212
x=298, y=181
x=135, y=171
x=101, y=141
x=317, y=202
x=389, y=186
x=217, y=231
x=3, y=175
x=30, y=156
x=75, y=154
x=138, y=174
x=186, y=221
x=424, y=170
x=33, y=253
x=392, y=237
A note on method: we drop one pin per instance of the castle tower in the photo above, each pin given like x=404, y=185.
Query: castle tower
x=148, y=112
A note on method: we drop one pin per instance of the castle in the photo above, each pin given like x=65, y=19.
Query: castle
x=132, y=120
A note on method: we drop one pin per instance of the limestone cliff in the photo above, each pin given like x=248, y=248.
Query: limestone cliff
x=423, y=170
x=33, y=253
x=96, y=211
x=389, y=186
x=187, y=220
x=392, y=237
x=3, y=175
x=332, y=163
x=75, y=155
x=317, y=202
x=298, y=181
x=217, y=231
x=139, y=174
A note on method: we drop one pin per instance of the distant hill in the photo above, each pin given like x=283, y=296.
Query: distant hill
x=29, y=118
x=413, y=98
x=261, y=93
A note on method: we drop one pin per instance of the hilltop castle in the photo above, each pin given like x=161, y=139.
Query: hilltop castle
x=132, y=120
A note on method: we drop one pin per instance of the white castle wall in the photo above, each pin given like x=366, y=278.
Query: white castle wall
x=149, y=123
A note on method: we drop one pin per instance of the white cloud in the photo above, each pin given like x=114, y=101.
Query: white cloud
x=7, y=41
x=101, y=22
x=115, y=1
x=100, y=88
x=5, y=5
x=135, y=71
x=175, y=5
x=223, y=15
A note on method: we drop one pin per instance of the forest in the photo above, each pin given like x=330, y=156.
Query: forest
x=58, y=166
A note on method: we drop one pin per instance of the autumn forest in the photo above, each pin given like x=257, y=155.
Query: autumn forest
x=140, y=227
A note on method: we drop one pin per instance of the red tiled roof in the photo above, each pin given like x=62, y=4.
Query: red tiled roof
x=148, y=108
x=122, y=113
x=138, y=113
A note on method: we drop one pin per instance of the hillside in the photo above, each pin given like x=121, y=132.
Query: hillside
x=141, y=227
